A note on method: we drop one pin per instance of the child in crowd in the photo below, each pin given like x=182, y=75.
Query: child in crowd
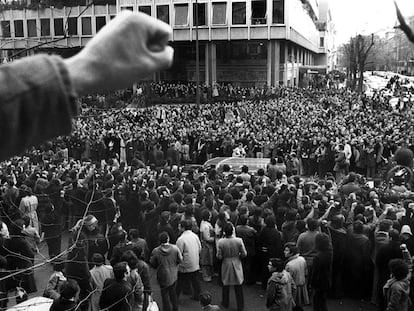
x=205, y=302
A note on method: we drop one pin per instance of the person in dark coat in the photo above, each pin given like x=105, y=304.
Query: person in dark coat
x=321, y=277
x=359, y=265
x=20, y=256
x=269, y=244
x=67, y=300
x=385, y=254
x=249, y=237
x=117, y=293
x=338, y=238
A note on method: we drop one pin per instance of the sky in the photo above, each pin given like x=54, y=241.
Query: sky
x=352, y=17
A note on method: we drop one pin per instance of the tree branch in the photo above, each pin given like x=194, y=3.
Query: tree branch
x=403, y=25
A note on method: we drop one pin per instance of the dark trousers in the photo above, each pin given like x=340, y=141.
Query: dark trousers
x=320, y=300
x=85, y=289
x=248, y=270
x=188, y=278
x=169, y=298
x=238, y=290
x=54, y=245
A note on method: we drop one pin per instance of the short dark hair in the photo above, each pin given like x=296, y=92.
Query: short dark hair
x=205, y=214
x=163, y=237
x=398, y=268
x=133, y=233
x=69, y=289
x=243, y=219
x=98, y=259
x=312, y=224
x=293, y=249
x=270, y=221
x=205, y=298
x=119, y=270
x=130, y=257
x=228, y=229
x=277, y=263
x=186, y=224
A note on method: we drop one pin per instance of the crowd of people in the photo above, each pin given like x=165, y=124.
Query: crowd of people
x=337, y=189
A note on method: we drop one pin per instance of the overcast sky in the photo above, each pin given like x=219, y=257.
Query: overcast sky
x=365, y=16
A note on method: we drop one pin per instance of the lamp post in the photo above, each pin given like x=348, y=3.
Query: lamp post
x=197, y=58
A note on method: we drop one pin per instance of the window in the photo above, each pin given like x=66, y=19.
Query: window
x=45, y=27
x=72, y=26
x=18, y=28
x=181, y=14
x=322, y=42
x=58, y=23
x=259, y=12
x=86, y=26
x=239, y=13
x=145, y=9
x=219, y=13
x=5, y=29
x=202, y=13
x=112, y=16
x=100, y=22
x=163, y=13
x=127, y=8
x=278, y=11
x=31, y=28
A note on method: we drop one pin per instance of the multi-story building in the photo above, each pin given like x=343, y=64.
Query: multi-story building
x=246, y=42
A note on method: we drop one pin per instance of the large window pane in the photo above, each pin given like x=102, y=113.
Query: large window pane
x=100, y=22
x=163, y=13
x=202, y=14
x=259, y=12
x=219, y=13
x=58, y=23
x=181, y=14
x=45, y=27
x=31, y=28
x=145, y=9
x=278, y=12
x=5, y=29
x=72, y=26
x=130, y=8
x=18, y=28
x=239, y=13
x=86, y=26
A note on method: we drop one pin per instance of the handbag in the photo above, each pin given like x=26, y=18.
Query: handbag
x=152, y=305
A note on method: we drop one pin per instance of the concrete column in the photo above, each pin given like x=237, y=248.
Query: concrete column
x=269, y=63
x=210, y=63
x=285, y=65
x=276, y=63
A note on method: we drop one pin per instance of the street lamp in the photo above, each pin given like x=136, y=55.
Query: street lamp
x=197, y=59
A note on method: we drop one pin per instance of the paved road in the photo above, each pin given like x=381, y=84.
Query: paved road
x=254, y=295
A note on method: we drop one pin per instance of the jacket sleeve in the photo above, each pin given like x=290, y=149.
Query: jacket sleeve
x=50, y=290
x=270, y=294
x=394, y=300
x=37, y=102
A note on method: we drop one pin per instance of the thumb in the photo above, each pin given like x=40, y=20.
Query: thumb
x=163, y=59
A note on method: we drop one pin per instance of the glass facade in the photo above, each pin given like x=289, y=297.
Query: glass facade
x=18, y=28
x=58, y=23
x=31, y=28
x=163, y=13
x=219, y=13
x=239, y=13
x=181, y=15
x=278, y=12
x=45, y=27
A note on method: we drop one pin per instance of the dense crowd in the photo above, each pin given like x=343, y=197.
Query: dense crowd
x=335, y=191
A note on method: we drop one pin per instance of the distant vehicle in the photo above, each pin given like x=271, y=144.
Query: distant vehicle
x=236, y=164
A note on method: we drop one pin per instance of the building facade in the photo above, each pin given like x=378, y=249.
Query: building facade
x=246, y=42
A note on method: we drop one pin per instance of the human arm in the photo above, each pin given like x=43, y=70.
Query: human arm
x=38, y=93
x=51, y=288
